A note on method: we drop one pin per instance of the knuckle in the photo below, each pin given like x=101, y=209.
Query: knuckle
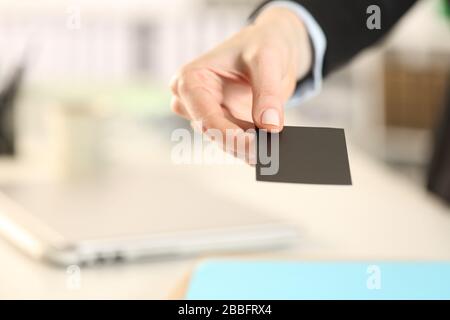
x=174, y=85
x=266, y=55
x=265, y=91
x=267, y=97
x=191, y=78
x=176, y=107
x=263, y=96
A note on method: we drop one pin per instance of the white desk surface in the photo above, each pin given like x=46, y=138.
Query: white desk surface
x=382, y=216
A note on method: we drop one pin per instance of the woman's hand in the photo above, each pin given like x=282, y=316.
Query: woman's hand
x=245, y=81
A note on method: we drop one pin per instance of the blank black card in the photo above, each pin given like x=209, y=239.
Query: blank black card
x=306, y=155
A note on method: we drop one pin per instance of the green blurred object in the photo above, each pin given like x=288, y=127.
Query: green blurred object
x=130, y=98
x=446, y=8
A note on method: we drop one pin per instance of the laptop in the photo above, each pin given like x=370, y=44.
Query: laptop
x=132, y=212
x=130, y=215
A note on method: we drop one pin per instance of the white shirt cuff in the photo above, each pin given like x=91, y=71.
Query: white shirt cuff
x=311, y=86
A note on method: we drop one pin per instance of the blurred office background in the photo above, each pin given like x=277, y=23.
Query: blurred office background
x=100, y=69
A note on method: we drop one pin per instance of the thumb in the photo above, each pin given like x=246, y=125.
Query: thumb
x=266, y=73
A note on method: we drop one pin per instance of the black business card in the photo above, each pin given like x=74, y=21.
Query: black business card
x=303, y=155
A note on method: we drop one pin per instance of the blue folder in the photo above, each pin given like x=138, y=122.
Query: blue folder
x=248, y=280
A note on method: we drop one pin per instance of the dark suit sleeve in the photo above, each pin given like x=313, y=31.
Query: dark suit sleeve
x=344, y=25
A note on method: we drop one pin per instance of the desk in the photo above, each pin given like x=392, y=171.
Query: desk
x=382, y=216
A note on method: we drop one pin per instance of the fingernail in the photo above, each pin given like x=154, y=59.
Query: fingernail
x=270, y=117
